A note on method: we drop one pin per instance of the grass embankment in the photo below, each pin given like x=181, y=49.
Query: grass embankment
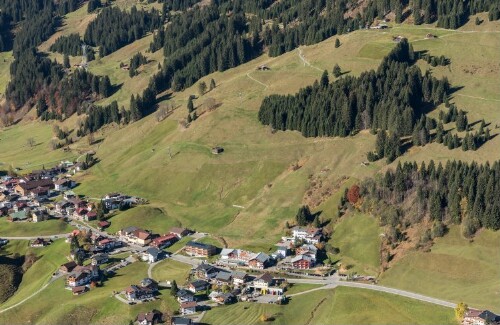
x=455, y=269
x=146, y=217
x=28, y=229
x=339, y=306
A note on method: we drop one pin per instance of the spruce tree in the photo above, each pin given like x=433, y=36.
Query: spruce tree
x=202, y=88
x=337, y=43
x=173, y=288
x=337, y=72
x=190, y=105
x=324, y=79
x=66, y=63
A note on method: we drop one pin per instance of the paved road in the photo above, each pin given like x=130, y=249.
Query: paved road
x=332, y=283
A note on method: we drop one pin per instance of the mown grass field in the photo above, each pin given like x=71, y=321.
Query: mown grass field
x=339, y=306
x=358, y=238
x=455, y=269
x=170, y=270
x=23, y=229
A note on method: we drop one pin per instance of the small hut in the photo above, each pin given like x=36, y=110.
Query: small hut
x=217, y=150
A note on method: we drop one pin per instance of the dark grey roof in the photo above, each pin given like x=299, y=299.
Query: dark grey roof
x=224, y=276
x=184, y=293
x=181, y=321
x=489, y=316
x=153, y=251
x=199, y=284
x=200, y=245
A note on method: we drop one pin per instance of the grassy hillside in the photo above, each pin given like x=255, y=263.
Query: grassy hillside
x=11, y=275
x=358, y=238
x=22, y=229
x=248, y=193
x=456, y=269
x=55, y=305
x=340, y=306
x=145, y=217
x=16, y=151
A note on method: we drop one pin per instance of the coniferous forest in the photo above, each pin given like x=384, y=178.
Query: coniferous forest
x=225, y=34
x=454, y=193
x=114, y=28
x=389, y=99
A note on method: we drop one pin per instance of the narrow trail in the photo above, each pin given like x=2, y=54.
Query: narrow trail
x=32, y=295
x=329, y=286
x=314, y=310
x=257, y=81
x=475, y=97
x=307, y=63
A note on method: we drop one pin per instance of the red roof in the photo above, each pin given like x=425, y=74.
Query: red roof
x=164, y=238
x=103, y=224
x=189, y=304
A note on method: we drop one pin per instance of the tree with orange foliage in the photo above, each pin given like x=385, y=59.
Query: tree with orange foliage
x=353, y=194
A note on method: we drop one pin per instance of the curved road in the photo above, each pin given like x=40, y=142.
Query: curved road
x=332, y=283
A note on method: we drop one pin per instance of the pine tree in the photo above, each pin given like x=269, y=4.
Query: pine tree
x=337, y=43
x=303, y=215
x=173, y=288
x=190, y=105
x=337, y=72
x=438, y=229
x=66, y=63
x=324, y=79
x=202, y=88
x=465, y=142
x=439, y=133
x=399, y=12
x=380, y=143
x=74, y=245
x=212, y=84
x=461, y=121
x=316, y=222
